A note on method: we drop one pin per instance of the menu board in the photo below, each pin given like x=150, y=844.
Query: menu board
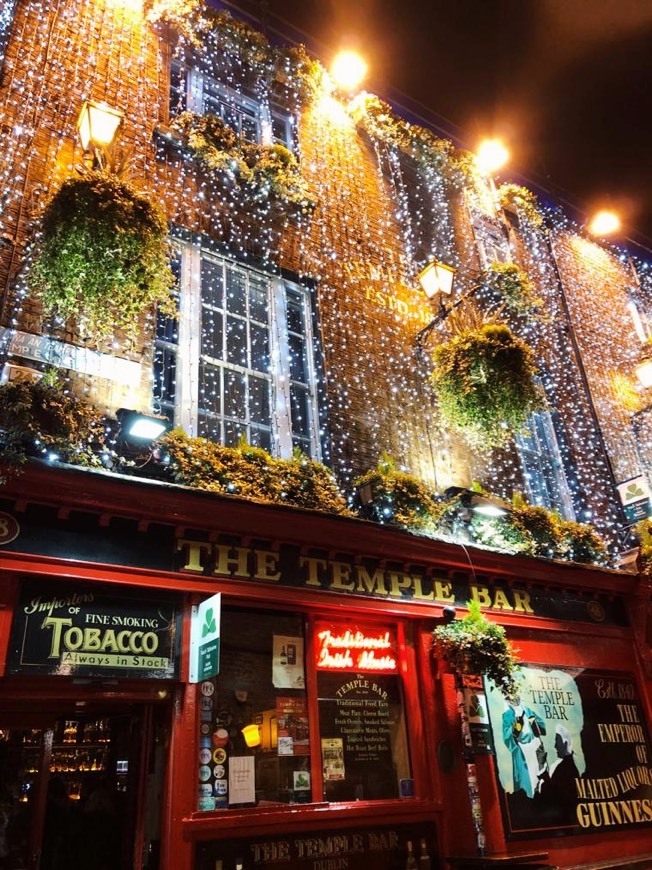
x=357, y=716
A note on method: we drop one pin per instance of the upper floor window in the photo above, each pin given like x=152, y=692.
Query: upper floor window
x=194, y=91
x=543, y=467
x=239, y=361
x=491, y=241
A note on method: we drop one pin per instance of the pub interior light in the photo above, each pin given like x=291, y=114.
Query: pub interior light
x=251, y=734
x=141, y=427
x=436, y=278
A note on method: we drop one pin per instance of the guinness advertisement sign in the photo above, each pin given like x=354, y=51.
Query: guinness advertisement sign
x=83, y=630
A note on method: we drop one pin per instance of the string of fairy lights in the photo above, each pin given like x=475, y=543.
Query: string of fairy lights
x=379, y=217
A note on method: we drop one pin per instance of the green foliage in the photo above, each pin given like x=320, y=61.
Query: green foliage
x=581, y=543
x=262, y=171
x=380, y=122
x=252, y=473
x=522, y=200
x=302, y=73
x=218, y=32
x=513, y=286
x=484, y=379
x=474, y=646
x=102, y=256
x=40, y=417
x=557, y=538
x=183, y=16
x=397, y=497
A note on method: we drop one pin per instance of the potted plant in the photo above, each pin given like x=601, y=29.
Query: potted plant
x=252, y=472
x=387, y=495
x=474, y=646
x=484, y=379
x=41, y=418
x=102, y=256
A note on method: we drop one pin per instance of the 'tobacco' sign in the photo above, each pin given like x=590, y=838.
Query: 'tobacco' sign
x=72, y=629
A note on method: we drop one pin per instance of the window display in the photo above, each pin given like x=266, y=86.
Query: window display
x=254, y=717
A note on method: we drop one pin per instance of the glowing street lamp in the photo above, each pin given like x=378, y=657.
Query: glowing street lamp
x=491, y=156
x=348, y=70
x=97, y=126
x=604, y=223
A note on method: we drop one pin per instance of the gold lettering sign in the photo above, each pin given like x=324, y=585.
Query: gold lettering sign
x=335, y=575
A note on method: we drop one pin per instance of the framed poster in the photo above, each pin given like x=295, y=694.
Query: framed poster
x=572, y=752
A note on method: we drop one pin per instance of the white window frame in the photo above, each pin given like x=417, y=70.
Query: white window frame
x=188, y=351
x=491, y=242
x=195, y=84
x=547, y=450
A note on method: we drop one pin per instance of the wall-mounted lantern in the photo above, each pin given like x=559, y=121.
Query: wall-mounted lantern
x=97, y=126
x=436, y=278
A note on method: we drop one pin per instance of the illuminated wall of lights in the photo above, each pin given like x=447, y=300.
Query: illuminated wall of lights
x=380, y=216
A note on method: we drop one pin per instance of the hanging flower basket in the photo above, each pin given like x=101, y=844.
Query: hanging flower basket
x=102, y=256
x=513, y=287
x=484, y=379
x=474, y=646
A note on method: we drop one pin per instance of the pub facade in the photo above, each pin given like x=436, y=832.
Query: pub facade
x=200, y=672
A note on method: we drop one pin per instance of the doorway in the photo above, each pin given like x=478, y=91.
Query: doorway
x=80, y=786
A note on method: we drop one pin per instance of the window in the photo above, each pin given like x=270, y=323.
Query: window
x=194, y=91
x=258, y=742
x=240, y=359
x=542, y=466
x=491, y=242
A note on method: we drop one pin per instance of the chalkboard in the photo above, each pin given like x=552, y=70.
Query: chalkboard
x=358, y=716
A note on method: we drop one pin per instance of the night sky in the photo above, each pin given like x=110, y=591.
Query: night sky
x=566, y=83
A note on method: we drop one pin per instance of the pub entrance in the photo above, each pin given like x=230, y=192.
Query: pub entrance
x=81, y=784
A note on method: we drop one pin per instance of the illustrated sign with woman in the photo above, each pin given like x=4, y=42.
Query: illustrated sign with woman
x=572, y=752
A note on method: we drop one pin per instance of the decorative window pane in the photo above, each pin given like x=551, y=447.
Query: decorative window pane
x=212, y=334
x=259, y=348
x=248, y=368
x=194, y=90
x=259, y=400
x=298, y=360
x=542, y=466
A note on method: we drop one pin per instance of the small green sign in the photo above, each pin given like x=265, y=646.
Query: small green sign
x=205, y=639
x=209, y=659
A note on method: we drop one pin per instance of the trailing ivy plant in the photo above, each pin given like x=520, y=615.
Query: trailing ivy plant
x=252, y=473
x=39, y=418
x=265, y=172
x=522, y=200
x=513, y=286
x=643, y=532
x=475, y=646
x=388, y=495
x=484, y=379
x=380, y=122
x=581, y=543
x=102, y=256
